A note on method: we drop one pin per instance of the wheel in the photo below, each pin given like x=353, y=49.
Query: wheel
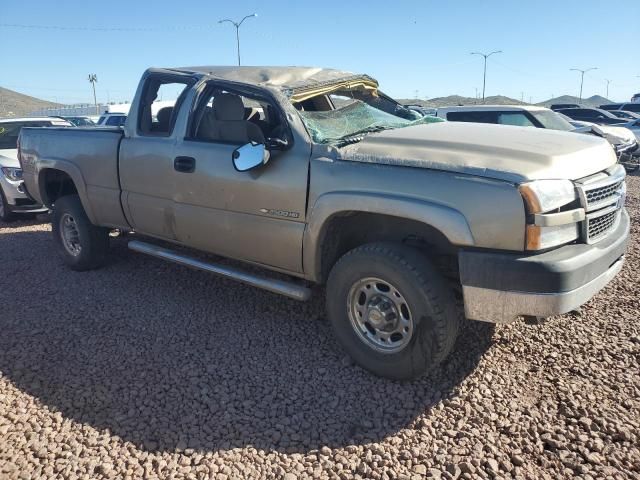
x=83, y=246
x=6, y=215
x=391, y=310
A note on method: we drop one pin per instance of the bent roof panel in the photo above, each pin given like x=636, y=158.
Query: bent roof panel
x=285, y=78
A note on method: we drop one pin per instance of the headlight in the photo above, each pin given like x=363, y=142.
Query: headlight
x=12, y=173
x=546, y=195
x=546, y=226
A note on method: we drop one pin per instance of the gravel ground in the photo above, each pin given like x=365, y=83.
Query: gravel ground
x=147, y=369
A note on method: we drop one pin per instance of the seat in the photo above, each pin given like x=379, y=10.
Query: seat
x=225, y=122
x=164, y=119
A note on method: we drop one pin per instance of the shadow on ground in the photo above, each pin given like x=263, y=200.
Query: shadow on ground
x=170, y=358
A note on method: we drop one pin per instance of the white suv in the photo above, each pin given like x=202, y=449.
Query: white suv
x=13, y=198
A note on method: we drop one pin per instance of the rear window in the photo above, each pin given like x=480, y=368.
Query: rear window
x=475, y=117
x=631, y=107
x=9, y=132
x=116, y=121
x=612, y=106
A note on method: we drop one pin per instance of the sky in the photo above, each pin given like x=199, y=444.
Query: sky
x=410, y=47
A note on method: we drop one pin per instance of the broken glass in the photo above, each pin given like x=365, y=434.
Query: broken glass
x=349, y=122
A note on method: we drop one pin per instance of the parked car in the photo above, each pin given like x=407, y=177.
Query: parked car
x=13, y=199
x=561, y=106
x=393, y=211
x=593, y=115
x=623, y=139
x=626, y=115
x=112, y=120
x=635, y=98
x=540, y=117
x=80, y=121
x=422, y=110
x=627, y=107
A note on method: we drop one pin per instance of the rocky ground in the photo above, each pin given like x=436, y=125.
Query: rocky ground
x=146, y=369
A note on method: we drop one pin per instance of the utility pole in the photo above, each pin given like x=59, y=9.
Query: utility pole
x=608, y=82
x=237, y=25
x=93, y=79
x=484, y=76
x=582, y=72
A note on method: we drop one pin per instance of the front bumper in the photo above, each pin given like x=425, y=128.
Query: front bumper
x=17, y=198
x=499, y=287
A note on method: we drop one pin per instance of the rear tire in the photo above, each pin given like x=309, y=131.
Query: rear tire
x=6, y=215
x=82, y=245
x=391, y=310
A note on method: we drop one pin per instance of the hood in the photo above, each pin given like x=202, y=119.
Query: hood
x=615, y=135
x=9, y=158
x=514, y=154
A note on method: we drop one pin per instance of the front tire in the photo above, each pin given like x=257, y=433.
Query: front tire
x=82, y=245
x=391, y=310
x=6, y=215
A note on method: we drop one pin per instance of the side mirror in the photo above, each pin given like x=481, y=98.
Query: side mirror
x=250, y=156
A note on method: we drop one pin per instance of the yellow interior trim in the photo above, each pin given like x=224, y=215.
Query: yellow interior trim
x=326, y=89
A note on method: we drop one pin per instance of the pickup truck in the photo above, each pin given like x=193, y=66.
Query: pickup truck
x=319, y=177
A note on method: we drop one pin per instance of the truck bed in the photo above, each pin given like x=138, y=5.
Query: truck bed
x=86, y=154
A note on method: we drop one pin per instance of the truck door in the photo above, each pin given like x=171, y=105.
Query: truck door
x=258, y=215
x=146, y=159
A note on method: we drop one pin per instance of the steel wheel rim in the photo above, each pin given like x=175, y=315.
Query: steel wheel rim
x=70, y=235
x=380, y=315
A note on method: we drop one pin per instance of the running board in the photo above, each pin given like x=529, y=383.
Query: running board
x=288, y=289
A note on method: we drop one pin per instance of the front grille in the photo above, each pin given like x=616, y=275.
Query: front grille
x=602, y=194
x=599, y=226
x=602, y=197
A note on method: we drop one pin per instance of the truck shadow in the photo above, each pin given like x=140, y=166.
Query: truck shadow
x=168, y=358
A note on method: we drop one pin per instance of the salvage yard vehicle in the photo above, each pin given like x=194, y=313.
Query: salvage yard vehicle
x=621, y=139
x=330, y=181
x=13, y=199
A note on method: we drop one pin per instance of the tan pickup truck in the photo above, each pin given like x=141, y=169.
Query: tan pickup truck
x=316, y=174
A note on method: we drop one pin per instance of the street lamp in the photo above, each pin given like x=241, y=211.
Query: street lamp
x=237, y=25
x=93, y=78
x=484, y=77
x=608, y=82
x=582, y=72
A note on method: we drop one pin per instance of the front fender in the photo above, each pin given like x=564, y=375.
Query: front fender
x=76, y=175
x=450, y=222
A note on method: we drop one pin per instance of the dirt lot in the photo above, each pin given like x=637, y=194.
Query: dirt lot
x=146, y=369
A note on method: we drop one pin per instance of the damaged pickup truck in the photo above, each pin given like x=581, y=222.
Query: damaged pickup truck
x=316, y=174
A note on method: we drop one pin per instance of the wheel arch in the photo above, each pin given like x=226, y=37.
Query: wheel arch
x=57, y=178
x=341, y=221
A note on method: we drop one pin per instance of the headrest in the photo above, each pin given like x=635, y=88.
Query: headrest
x=228, y=106
x=164, y=115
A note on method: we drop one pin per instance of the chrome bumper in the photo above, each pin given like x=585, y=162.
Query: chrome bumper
x=497, y=306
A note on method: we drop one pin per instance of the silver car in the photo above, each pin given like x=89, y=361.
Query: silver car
x=13, y=197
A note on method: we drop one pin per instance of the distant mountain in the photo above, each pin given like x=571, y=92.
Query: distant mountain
x=453, y=100
x=594, y=101
x=14, y=104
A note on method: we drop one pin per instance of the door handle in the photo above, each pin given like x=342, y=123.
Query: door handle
x=184, y=164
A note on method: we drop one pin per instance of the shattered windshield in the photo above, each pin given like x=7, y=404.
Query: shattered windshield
x=349, y=123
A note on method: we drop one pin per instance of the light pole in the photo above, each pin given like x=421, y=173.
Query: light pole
x=93, y=78
x=608, y=82
x=484, y=76
x=237, y=25
x=582, y=72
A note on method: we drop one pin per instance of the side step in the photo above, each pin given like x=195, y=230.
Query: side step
x=288, y=289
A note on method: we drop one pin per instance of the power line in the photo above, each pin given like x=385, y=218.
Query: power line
x=104, y=29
